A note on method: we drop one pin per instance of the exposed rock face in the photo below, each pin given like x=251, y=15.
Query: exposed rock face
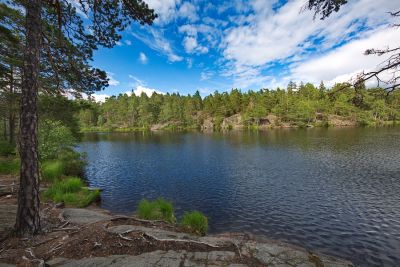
x=208, y=125
x=156, y=258
x=340, y=121
x=84, y=216
x=232, y=122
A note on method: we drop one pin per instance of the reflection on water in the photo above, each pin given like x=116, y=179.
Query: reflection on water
x=332, y=190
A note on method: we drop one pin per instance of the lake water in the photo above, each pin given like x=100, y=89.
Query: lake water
x=336, y=191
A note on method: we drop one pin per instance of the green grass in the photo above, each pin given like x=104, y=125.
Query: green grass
x=52, y=170
x=196, y=222
x=9, y=165
x=71, y=191
x=159, y=209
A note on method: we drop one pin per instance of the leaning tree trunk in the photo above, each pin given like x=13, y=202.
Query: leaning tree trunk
x=28, y=220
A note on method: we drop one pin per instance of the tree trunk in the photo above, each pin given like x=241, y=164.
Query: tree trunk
x=28, y=220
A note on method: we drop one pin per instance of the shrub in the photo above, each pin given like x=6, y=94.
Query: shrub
x=53, y=138
x=71, y=192
x=73, y=162
x=196, y=222
x=6, y=148
x=9, y=166
x=159, y=209
x=52, y=170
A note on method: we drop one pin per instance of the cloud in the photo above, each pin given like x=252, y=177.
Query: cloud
x=156, y=41
x=285, y=35
x=100, y=97
x=142, y=89
x=205, y=75
x=344, y=63
x=111, y=80
x=165, y=9
x=191, y=46
x=143, y=58
x=128, y=42
x=188, y=10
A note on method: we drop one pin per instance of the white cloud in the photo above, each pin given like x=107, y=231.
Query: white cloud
x=148, y=91
x=284, y=35
x=128, y=42
x=165, y=9
x=100, y=97
x=111, y=80
x=143, y=58
x=96, y=97
x=188, y=10
x=344, y=63
x=156, y=41
x=205, y=75
x=191, y=46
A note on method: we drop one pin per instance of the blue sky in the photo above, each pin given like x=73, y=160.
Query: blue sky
x=220, y=45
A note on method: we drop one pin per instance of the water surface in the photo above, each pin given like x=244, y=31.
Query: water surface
x=336, y=191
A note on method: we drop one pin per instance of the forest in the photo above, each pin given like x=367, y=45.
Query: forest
x=295, y=106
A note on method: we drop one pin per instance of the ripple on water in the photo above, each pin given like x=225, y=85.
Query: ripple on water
x=336, y=191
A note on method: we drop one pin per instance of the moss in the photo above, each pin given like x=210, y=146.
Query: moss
x=196, y=222
x=159, y=209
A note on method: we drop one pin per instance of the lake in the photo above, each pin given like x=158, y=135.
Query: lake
x=336, y=191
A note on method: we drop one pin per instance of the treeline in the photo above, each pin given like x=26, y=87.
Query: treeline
x=297, y=105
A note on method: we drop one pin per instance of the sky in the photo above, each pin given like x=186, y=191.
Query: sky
x=246, y=44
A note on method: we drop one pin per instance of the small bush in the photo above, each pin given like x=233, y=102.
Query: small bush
x=159, y=209
x=52, y=170
x=74, y=162
x=6, y=148
x=195, y=222
x=71, y=192
x=9, y=166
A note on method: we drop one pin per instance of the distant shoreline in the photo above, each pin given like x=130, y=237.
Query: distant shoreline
x=174, y=128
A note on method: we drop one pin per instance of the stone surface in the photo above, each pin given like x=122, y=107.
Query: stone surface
x=6, y=265
x=83, y=216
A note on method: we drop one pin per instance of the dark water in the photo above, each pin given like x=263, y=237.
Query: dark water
x=336, y=191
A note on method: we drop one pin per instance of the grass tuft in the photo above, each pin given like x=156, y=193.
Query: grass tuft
x=52, y=170
x=159, y=209
x=71, y=191
x=196, y=222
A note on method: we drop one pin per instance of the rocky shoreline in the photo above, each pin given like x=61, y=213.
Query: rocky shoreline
x=95, y=237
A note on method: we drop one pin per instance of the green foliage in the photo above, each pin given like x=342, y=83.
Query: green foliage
x=196, y=222
x=73, y=162
x=159, y=209
x=53, y=138
x=6, y=148
x=300, y=105
x=9, y=165
x=71, y=191
x=52, y=170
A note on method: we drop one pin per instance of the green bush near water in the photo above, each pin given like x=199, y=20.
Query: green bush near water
x=72, y=192
x=196, y=222
x=159, y=209
x=9, y=165
x=52, y=170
